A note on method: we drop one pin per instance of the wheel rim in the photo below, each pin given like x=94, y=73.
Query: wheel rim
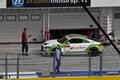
x=94, y=52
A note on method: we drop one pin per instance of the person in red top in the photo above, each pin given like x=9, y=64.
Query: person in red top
x=24, y=42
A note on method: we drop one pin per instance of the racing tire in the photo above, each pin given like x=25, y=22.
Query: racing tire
x=94, y=52
x=51, y=54
x=41, y=48
x=42, y=54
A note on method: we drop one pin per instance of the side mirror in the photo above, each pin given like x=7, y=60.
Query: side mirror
x=68, y=43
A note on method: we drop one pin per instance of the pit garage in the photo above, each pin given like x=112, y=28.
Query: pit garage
x=12, y=22
x=67, y=23
x=58, y=19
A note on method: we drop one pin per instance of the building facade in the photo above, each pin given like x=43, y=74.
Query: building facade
x=59, y=17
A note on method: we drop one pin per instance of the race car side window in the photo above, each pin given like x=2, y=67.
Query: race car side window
x=71, y=41
x=85, y=41
x=76, y=41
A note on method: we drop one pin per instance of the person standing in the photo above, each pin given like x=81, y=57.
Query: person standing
x=58, y=58
x=25, y=42
x=114, y=37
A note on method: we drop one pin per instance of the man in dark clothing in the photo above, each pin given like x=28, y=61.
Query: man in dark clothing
x=58, y=58
x=24, y=42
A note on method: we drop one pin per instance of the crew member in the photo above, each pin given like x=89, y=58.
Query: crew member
x=47, y=34
x=113, y=36
x=58, y=58
x=25, y=42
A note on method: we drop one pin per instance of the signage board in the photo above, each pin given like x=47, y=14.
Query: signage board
x=46, y=3
x=2, y=3
x=105, y=3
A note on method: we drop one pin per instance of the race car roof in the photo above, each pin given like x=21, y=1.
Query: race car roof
x=75, y=35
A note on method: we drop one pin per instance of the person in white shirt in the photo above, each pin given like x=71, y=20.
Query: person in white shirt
x=58, y=58
x=114, y=37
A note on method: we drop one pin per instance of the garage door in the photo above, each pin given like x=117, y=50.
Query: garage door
x=12, y=24
x=116, y=27
x=72, y=21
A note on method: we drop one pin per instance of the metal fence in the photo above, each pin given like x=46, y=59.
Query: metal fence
x=15, y=65
x=43, y=73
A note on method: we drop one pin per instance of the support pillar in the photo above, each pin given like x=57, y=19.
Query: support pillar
x=106, y=19
x=45, y=22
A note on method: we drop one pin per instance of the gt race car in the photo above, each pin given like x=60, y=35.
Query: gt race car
x=73, y=44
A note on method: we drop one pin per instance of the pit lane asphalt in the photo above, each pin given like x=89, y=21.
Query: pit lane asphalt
x=36, y=62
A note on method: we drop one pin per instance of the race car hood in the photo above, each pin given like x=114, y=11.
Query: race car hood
x=51, y=42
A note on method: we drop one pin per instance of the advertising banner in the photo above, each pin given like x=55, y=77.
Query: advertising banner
x=2, y=3
x=46, y=3
x=105, y=3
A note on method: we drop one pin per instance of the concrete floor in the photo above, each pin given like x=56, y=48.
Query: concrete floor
x=16, y=48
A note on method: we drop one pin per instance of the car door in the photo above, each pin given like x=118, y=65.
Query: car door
x=77, y=45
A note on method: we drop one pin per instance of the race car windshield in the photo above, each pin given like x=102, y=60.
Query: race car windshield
x=62, y=40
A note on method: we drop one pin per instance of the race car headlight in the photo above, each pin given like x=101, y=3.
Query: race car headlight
x=46, y=48
x=45, y=43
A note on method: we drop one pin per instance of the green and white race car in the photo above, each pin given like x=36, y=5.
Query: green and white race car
x=73, y=44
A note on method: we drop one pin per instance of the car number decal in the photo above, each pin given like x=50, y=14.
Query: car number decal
x=79, y=47
x=67, y=48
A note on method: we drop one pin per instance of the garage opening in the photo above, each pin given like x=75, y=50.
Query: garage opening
x=58, y=33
